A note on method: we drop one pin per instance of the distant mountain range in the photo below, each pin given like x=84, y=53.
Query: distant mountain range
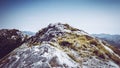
x=111, y=39
x=29, y=33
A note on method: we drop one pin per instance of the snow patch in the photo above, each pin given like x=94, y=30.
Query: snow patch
x=108, y=49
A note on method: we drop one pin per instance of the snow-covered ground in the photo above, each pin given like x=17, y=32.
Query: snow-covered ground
x=40, y=56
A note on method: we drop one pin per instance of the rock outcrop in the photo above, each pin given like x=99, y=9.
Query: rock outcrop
x=9, y=40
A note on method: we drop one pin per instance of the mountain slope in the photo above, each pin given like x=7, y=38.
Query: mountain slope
x=60, y=45
x=9, y=40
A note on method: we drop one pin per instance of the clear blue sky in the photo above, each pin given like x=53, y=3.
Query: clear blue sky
x=92, y=16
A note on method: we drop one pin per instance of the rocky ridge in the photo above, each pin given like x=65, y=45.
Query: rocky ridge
x=9, y=40
x=60, y=45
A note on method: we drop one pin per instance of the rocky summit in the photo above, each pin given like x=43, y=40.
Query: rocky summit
x=60, y=45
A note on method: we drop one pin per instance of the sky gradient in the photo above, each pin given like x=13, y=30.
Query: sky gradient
x=92, y=16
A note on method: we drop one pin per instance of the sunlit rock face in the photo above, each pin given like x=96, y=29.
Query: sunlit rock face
x=60, y=45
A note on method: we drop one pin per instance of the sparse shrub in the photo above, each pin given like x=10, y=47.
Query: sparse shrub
x=72, y=57
x=115, y=49
x=102, y=56
x=93, y=42
x=72, y=29
x=99, y=54
x=114, y=58
x=88, y=37
x=104, y=42
x=65, y=43
x=84, y=46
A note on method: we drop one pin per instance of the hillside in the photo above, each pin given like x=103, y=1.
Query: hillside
x=9, y=40
x=60, y=45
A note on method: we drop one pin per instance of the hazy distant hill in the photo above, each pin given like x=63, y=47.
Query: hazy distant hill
x=29, y=33
x=111, y=39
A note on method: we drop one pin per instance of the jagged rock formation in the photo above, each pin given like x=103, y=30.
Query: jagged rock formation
x=9, y=40
x=60, y=45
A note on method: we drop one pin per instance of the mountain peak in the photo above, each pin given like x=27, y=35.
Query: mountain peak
x=56, y=25
x=60, y=45
x=53, y=31
x=62, y=27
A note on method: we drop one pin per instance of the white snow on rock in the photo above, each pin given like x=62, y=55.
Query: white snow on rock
x=97, y=63
x=108, y=49
x=111, y=51
x=49, y=54
x=43, y=56
x=63, y=28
